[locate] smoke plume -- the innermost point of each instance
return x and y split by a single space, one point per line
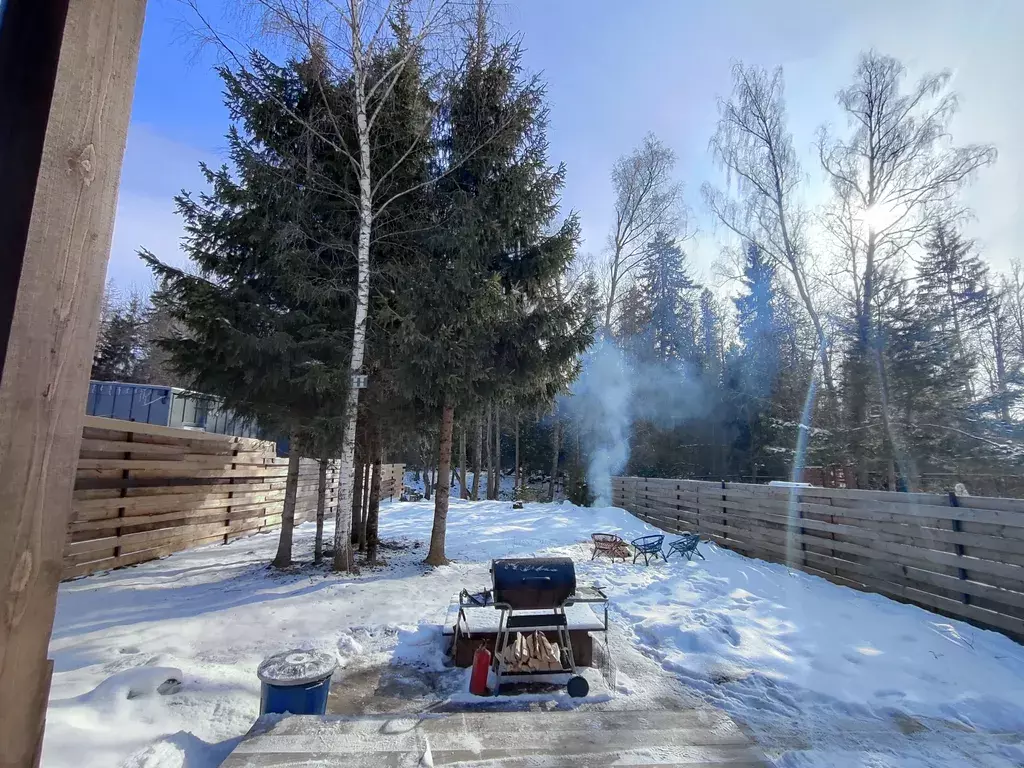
612 392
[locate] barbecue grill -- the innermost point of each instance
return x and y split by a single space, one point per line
532 595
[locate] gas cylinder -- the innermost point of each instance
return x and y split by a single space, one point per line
481 666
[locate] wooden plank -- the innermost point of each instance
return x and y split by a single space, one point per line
893 513
99 497
919 579
123 446
152 505
695 737
139 428
114 474
908 505
179 465
50 339
183 520
176 515
914 535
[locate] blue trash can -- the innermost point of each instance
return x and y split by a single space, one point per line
296 681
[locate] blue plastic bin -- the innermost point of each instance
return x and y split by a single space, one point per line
297 682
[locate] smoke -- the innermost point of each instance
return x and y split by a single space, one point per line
612 393
600 403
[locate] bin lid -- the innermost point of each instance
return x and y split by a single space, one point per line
296 667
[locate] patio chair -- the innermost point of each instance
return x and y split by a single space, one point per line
611 545
648 547
686 546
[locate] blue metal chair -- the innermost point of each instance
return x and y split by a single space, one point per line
685 546
648 546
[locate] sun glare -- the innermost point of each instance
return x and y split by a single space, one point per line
878 217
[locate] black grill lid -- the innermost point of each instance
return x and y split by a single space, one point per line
533 582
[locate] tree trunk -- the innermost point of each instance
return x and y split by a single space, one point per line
554 458
433 481
343 519
860 366
613 285
515 481
477 460
284 543
464 490
357 494
490 452
321 498
436 554
428 484
497 452
373 503
361 529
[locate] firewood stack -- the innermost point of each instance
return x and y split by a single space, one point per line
531 653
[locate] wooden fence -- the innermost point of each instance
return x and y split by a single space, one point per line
960 556
144 491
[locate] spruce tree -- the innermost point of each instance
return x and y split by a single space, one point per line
757 368
265 315
953 285
121 348
486 318
672 297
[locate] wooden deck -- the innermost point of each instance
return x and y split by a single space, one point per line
498 739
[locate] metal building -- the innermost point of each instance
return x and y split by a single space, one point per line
166 406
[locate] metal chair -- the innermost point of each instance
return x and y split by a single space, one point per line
611 545
686 546
648 546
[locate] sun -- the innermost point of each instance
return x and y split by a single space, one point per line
878 217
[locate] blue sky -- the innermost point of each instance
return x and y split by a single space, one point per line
616 70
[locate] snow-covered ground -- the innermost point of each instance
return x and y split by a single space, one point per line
818 674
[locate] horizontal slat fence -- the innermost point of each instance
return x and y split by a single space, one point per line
960 556
144 491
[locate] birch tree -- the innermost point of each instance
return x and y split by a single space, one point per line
754 146
368 46
897 175
647 201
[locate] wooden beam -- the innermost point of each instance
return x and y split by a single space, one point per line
30 36
50 341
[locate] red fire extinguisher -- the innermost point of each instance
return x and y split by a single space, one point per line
481 666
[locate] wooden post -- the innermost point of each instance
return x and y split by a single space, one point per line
51 335
959 548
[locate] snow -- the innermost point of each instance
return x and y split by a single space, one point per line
297 667
155 665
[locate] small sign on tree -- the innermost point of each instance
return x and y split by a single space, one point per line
359 380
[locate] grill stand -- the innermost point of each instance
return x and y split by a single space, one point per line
510 624
512 621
